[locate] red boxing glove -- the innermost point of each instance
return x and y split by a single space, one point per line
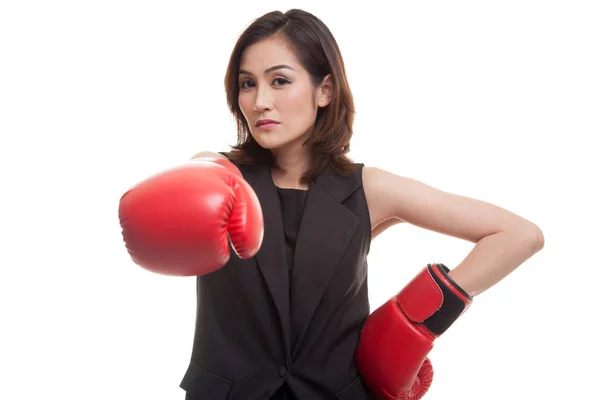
391 355
180 221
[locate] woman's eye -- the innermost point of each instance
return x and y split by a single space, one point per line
246 84
281 81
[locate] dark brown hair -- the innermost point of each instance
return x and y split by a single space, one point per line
318 52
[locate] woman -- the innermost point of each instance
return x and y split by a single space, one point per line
283 319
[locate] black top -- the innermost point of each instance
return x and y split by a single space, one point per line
292 207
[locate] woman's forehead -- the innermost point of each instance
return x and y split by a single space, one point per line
266 54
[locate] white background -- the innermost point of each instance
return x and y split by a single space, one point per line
499 101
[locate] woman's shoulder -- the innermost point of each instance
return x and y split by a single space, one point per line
379 186
383 185
371 175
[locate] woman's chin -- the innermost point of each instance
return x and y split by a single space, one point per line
273 141
267 142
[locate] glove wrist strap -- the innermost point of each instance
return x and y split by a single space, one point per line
433 299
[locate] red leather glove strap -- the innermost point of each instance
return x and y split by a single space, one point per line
421 298
434 299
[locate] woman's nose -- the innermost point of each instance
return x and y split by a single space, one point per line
263 100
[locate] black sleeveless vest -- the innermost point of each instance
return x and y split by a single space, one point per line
265 331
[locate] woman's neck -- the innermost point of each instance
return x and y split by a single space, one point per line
289 168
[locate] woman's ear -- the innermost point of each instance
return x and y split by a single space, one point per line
325 92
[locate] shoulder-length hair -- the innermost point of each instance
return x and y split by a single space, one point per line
318 52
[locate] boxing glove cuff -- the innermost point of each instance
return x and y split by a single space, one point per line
433 300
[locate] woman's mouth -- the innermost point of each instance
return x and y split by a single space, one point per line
266 124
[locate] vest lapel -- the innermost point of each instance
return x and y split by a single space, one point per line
271 256
326 229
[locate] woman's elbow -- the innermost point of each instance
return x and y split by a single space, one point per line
536 238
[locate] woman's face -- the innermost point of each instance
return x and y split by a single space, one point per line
277 96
